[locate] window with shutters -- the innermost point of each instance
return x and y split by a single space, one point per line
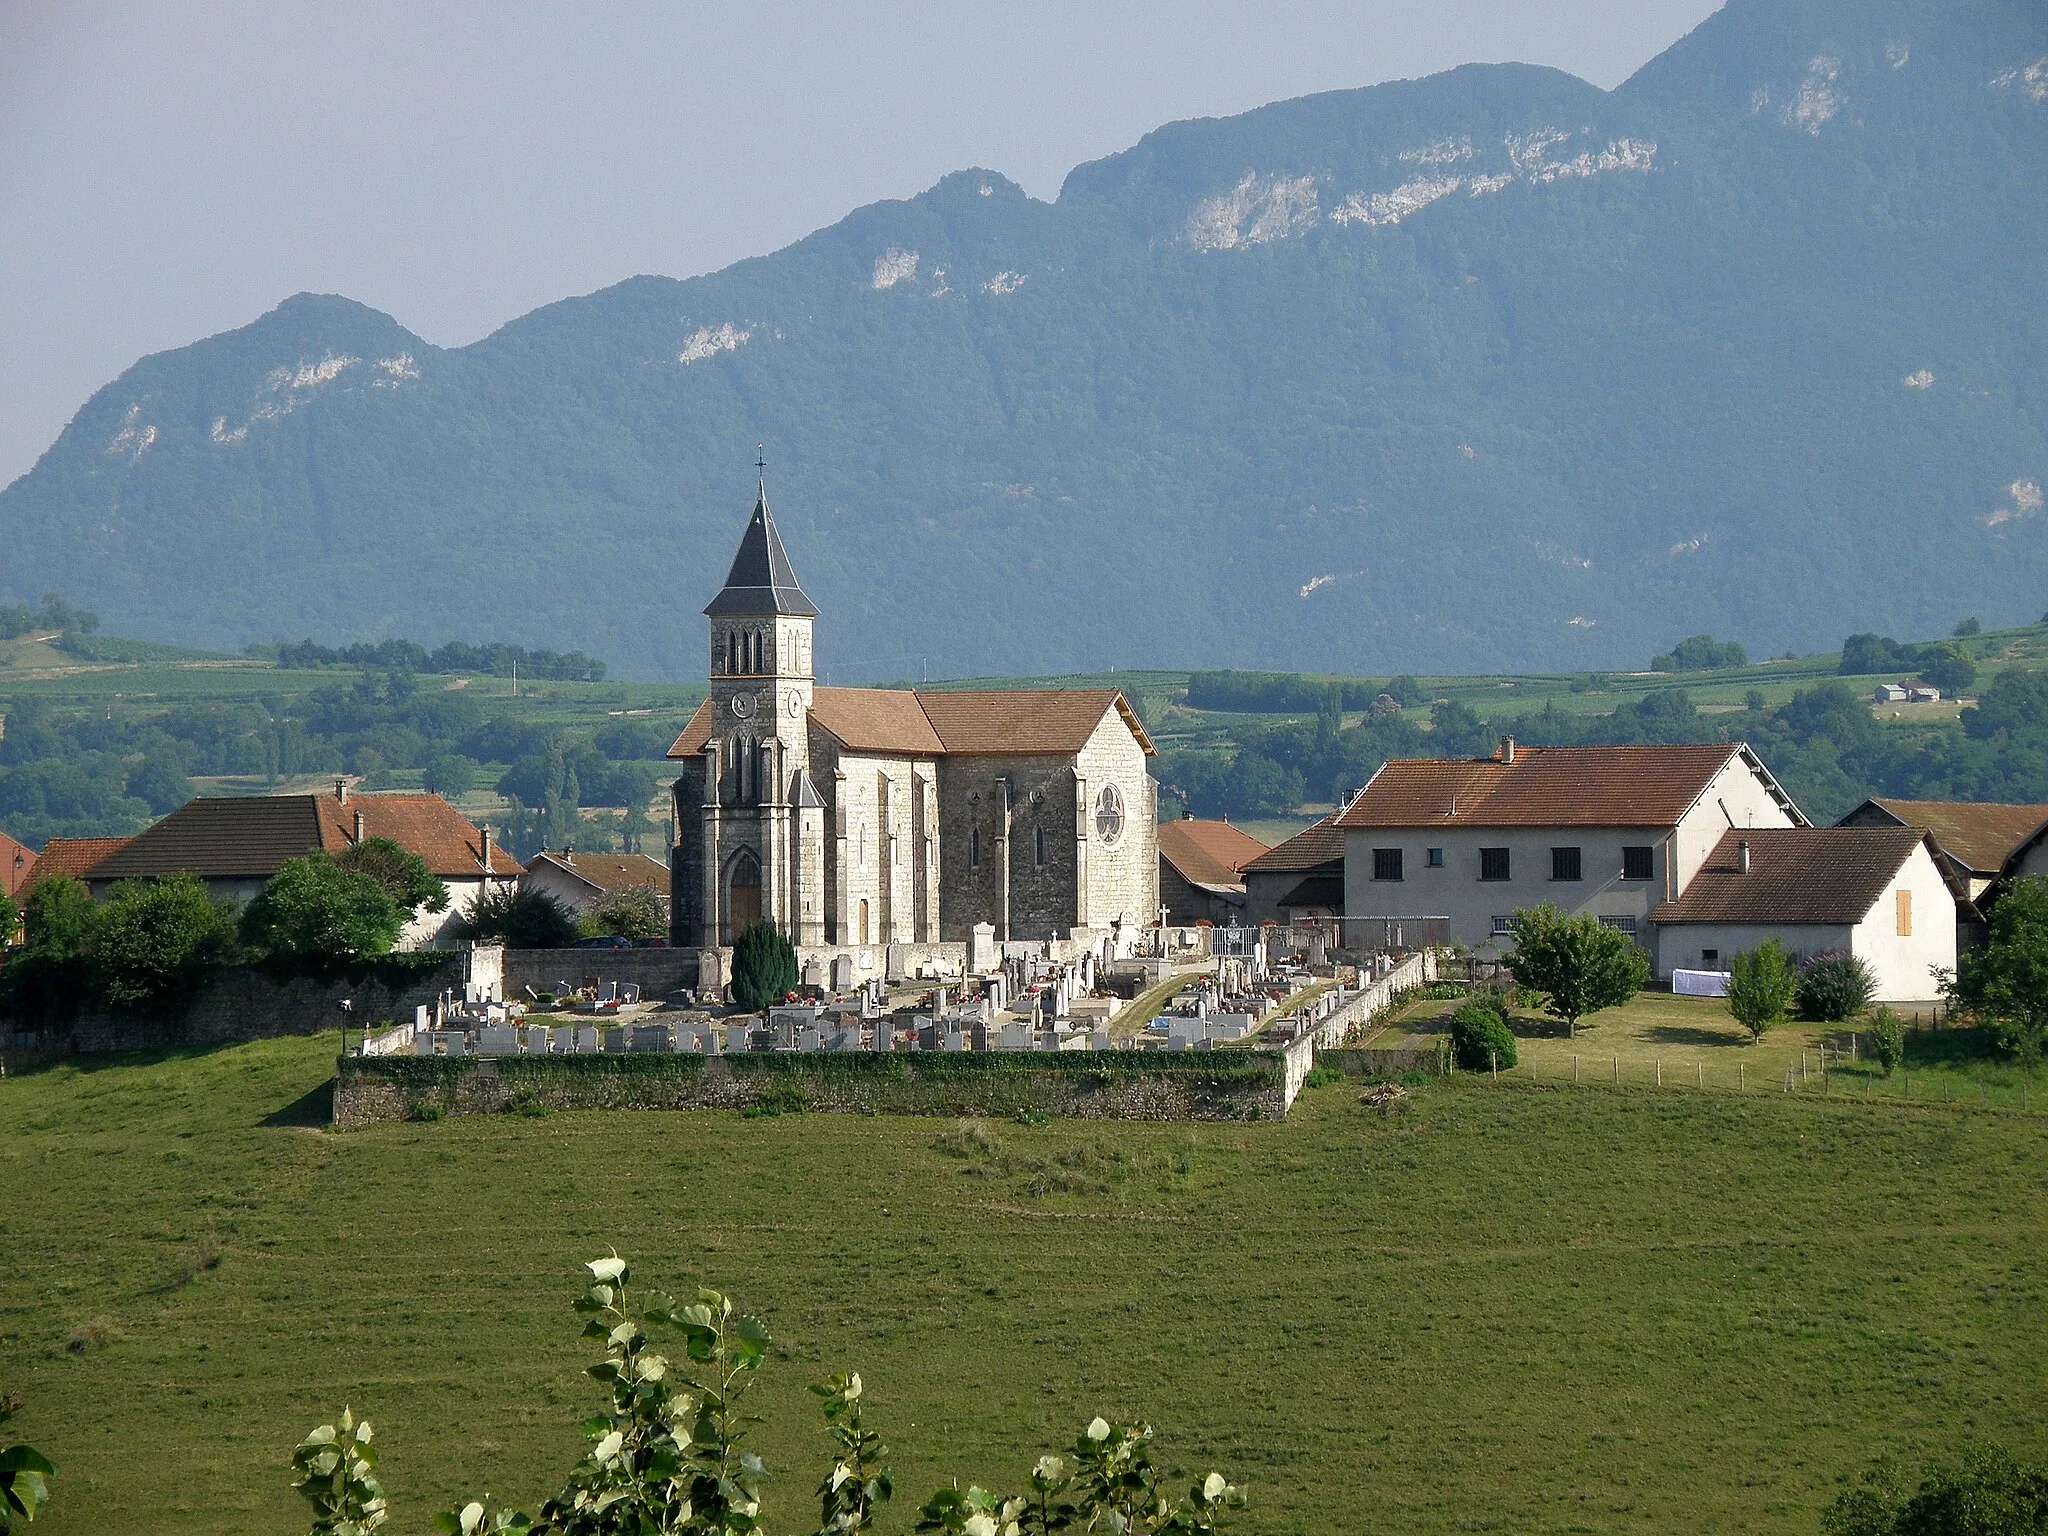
1905 913
1565 864
1493 864
1636 863
1386 863
1433 857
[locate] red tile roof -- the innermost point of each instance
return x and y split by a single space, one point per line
877 720
608 871
1797 875
1547 787
1980 837
17 861
71 857
1310 848
251 837
1007 722
1208 852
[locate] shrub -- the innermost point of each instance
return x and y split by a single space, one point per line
1322 1077
1833 988
1990 1493
2006 979
668 1453
764 969
519 918
1479 1038
631 912
315 909
152 941
1761 987
1887 1034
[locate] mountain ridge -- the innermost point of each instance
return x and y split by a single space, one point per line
1483 369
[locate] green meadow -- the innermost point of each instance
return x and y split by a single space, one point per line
1504 1305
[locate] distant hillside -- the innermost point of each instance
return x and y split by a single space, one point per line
1488 371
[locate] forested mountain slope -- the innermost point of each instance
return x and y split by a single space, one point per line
1489 370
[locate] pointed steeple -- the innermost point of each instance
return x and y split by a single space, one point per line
761 579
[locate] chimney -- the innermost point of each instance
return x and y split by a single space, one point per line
341 790
1742 857
487 847
359 826
1507 750
569 853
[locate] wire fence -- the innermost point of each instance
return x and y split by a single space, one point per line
1827 1071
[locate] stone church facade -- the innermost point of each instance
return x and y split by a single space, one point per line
859 817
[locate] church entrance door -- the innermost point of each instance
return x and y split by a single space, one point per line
743 898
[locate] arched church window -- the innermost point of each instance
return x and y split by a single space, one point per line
1038 846
974 847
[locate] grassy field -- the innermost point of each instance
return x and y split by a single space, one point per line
1691 1042
1508 1306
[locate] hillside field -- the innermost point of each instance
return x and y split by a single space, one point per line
1510 1306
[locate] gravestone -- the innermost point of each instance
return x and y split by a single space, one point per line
842 973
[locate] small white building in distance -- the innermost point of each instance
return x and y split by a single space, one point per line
1879 893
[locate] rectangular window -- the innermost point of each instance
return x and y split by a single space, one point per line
1434 858
1625 925
1493 864
1565 864
1503 927
1038 846
1386 863
1710 957
1905 913
974 847
1635 863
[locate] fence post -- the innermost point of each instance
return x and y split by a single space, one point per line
1494 1058
1617 1071
1738 1076
1660 1071
1575 1069
1701 1069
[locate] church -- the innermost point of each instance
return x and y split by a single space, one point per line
858 817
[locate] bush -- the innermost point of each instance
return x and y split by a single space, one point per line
519 918
631 912
153 941
1887 1033
1990 1493
764 969
1761 987
1833 988
314 908
1479 1037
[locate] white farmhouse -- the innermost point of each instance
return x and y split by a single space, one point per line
1614 831
1879 893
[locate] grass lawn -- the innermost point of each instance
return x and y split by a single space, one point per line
1696 1044
1508 1306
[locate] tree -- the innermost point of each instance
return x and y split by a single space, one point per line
2005 981
1701 653
159 784
1833 988
1761 987
450 775
764 969
519 918
1949 668
1578 965
1989 1492
400 873
1968 628
1887 1040
314 908
631 912
152 941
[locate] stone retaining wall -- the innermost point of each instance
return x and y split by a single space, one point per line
656 972
252 1005
1120 1085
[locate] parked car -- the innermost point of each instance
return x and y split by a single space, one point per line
605 941
650 943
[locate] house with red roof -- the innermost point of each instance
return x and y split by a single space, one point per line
1201 870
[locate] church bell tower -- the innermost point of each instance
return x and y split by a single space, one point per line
759 799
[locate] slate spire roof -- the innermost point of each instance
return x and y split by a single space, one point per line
761 579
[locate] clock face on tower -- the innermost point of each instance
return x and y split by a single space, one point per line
794 703
741 706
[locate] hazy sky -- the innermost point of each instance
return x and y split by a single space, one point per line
168 171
